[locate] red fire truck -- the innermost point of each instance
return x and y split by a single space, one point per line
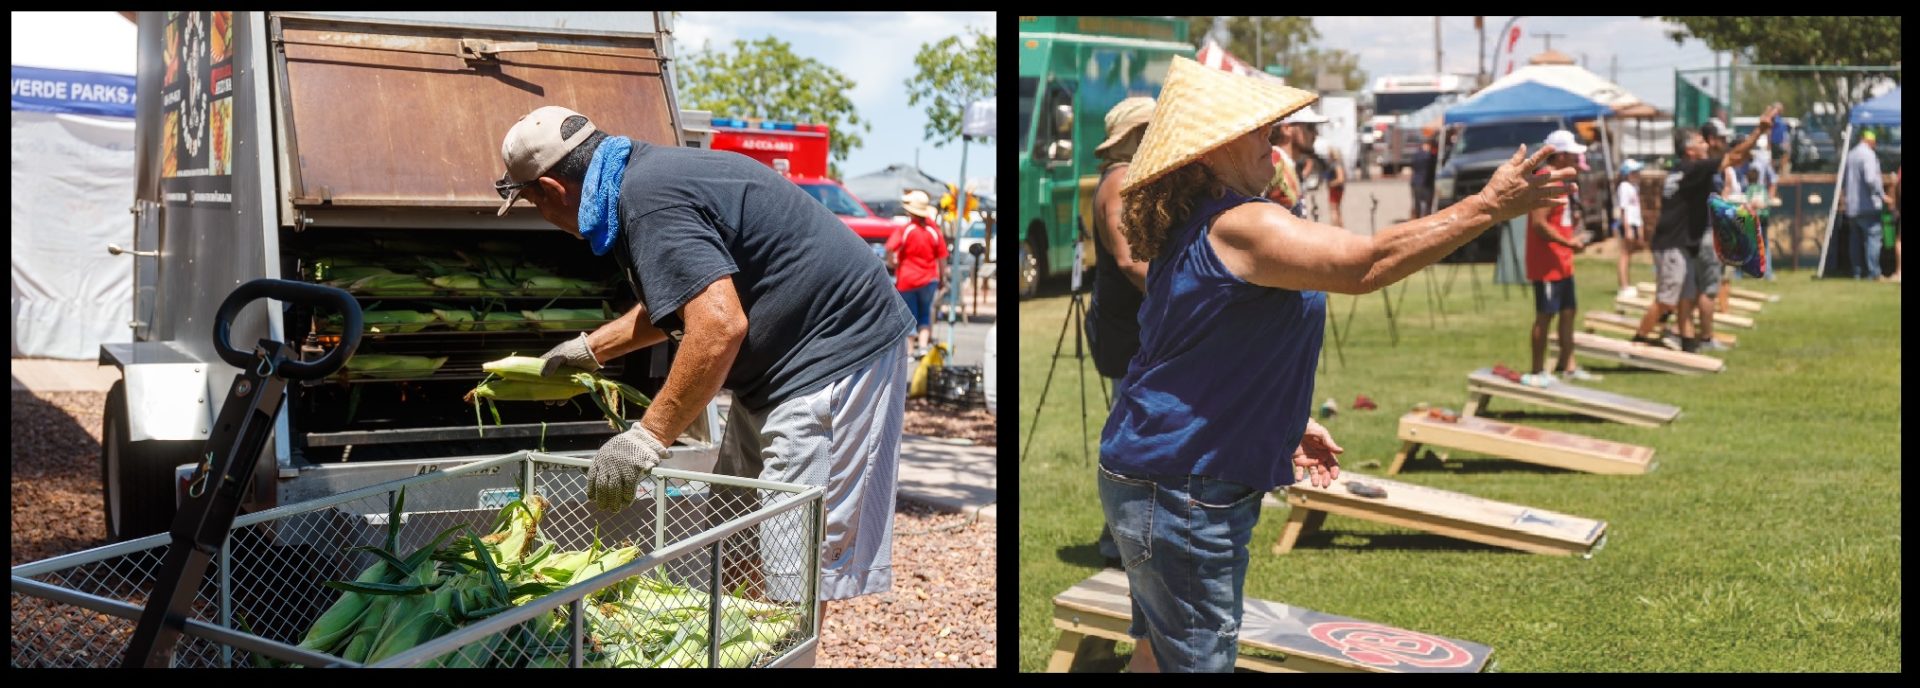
800 152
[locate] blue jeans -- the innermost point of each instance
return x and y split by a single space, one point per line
1863 245
920 302
1183 540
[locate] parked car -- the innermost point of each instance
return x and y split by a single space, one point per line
871 228
1483 147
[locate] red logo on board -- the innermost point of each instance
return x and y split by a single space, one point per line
1386 646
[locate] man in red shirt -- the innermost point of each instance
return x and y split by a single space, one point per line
1550 247
918 253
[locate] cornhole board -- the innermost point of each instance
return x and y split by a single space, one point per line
1520 443
1658 358
1752 295
1609 322
1095 613
1640 305
1735 301
1441 512
1483 385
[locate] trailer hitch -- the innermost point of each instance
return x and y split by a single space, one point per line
240 434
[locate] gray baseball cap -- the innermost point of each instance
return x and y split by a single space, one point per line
533 146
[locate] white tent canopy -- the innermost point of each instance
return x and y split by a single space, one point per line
1572 78
73 179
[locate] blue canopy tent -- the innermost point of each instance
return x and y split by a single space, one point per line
1531 98
1881 111
1528 99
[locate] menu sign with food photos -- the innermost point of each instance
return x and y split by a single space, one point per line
197 103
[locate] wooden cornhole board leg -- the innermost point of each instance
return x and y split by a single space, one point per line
1407 449
1300 522
1078 648
1099 609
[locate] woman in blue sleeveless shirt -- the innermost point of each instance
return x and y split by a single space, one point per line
1217 399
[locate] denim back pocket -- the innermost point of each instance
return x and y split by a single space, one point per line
1129 506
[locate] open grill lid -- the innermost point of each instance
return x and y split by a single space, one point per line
388 113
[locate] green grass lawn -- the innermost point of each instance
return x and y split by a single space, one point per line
1768 539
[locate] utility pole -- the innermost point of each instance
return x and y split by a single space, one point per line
1437 66
1480 23
1259 52
1548 37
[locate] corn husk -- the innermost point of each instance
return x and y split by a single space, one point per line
390 283
500 321
385 366
462 321
545 284
566 318
346 275
397 321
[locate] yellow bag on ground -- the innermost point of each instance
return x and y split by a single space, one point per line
936 357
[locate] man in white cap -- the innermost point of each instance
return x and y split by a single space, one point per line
1303 134
768 295
1628 226
1550 247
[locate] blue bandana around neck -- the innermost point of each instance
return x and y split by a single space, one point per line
600 194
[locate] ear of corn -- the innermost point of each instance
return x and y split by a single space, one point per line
386 366
389 283
459 320
500 322
397 321
339 619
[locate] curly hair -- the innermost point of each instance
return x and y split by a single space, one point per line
1154 209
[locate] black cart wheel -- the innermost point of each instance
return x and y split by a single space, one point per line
136 480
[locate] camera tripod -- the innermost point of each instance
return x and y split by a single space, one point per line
1075 321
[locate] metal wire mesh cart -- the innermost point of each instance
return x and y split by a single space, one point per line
723 573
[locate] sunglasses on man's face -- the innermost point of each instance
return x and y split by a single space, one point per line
504 187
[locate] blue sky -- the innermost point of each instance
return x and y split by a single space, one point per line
1404 45
876 51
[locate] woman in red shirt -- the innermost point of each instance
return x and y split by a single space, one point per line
917 253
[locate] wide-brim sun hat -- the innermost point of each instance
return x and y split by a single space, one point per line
1201 109
1305 115
917 202
1125 117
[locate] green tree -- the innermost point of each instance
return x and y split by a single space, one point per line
954 71
764 79
1284 41
1311 62
1803 40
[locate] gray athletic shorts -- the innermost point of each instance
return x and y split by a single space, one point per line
844 437
1705 270
1683 274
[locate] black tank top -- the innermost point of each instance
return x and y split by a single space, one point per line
1113 321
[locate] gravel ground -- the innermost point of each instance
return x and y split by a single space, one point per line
940 613
56 475
939 420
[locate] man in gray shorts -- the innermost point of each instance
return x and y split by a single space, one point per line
1685 269
764 292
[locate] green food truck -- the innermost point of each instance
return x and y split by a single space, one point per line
1072 70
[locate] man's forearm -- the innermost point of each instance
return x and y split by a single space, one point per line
699 368
1402 249
629 333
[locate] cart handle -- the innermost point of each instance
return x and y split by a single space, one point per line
301 292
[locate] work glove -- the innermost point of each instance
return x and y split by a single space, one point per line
574 353
619 465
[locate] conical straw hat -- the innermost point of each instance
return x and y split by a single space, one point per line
1200 109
